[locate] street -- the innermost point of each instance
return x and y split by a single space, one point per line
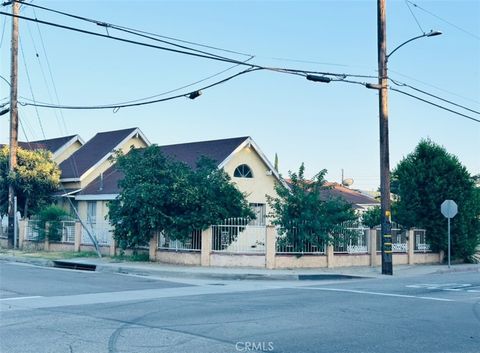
57 310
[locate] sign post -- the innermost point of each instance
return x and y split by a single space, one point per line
449 209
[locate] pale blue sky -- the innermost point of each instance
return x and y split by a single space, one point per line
330 126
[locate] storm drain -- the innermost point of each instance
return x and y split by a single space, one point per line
74 265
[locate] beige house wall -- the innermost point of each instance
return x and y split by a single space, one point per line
263 181
67 152
237 260
179 257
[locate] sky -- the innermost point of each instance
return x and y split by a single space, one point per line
330 126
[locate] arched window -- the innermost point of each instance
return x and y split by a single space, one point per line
243 171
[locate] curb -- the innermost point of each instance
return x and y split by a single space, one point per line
182 274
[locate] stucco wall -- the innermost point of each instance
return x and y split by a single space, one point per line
261 184
345 260
179 257
305 261
398 258
426 258
237 260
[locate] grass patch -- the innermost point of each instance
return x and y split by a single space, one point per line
139 257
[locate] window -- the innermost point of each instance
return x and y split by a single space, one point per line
260 212
243 171
92 212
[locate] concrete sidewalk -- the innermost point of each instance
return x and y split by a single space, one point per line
240 273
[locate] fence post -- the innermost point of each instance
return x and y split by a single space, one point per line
46 244
78 237
411 246
206 247
21 232
152 248
372 238
270 247
330 256
113 247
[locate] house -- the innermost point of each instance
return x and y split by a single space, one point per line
241 158
60 147
91 161
359 201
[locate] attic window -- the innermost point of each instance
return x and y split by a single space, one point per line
243 171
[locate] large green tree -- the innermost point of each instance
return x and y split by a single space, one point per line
160 194
303 217
35 178
422 181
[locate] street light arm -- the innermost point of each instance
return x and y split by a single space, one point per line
432 33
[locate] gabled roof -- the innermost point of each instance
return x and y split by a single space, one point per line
98 149
351 196
52 145
217 150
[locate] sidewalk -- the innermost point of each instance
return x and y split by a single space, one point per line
240 273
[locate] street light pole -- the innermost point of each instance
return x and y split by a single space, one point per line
386 226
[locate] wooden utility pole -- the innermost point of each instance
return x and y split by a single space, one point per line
13 120
386 225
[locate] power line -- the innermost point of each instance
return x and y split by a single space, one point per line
414 17
116 107
434 96
446 21
434 104
133 31
436 87
62 118
206 56
31 89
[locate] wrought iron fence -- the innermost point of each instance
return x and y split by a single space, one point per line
399 238
236 235
102 231
352 238
289 243
61 231
194 242
420 241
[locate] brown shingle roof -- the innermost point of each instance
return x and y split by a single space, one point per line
92 152
188 153
51 145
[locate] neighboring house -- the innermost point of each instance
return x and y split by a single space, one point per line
60 147
358 200
89 163
241 158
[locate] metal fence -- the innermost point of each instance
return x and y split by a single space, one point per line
194 242
102 231
399 238
351 239
34 231
420 241
236 235
287 244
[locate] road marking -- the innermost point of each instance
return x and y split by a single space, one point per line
377 293
19 298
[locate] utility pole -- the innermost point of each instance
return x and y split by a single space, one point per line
386 226
13 120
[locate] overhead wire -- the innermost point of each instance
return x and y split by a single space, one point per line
445 21
434 104
31 88
118 106
54 86
414 17
434 96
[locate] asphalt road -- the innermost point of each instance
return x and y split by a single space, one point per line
53 310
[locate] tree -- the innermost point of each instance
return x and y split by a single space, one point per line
302 217
35 178
160 194
422 181
51 215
